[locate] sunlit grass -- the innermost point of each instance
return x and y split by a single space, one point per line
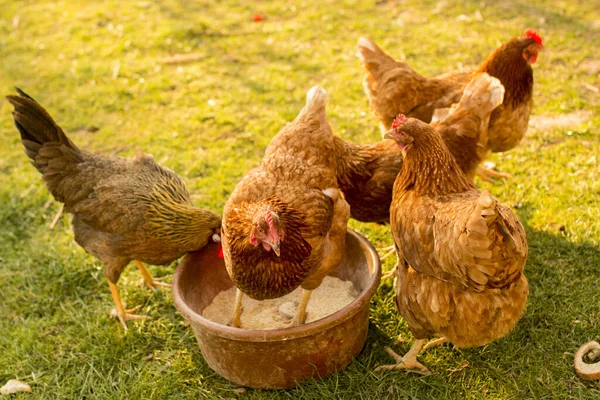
102 64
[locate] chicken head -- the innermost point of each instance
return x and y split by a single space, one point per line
533 46
267 231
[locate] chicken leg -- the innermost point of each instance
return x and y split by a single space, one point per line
334 251
300 317
408 362
236 320
120 312
149 281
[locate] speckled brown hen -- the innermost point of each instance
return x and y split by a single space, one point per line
123 209
284 225
461 253
393 88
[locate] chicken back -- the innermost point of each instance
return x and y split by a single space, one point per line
393 87
285 222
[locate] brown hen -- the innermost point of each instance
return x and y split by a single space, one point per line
366 173
284 225
461 253
123 209
393 88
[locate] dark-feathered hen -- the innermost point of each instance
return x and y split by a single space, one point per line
123 209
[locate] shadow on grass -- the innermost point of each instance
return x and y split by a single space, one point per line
563 312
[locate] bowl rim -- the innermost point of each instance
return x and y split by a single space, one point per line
272 335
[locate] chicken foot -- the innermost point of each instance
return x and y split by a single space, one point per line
408 362
487 172
388 252
435 343
236 320
389 274
149 281
120 312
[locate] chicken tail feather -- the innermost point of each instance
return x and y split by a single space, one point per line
371 55
35 125
49 149
484 93
316 98
368 50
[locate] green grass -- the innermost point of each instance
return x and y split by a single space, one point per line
99 63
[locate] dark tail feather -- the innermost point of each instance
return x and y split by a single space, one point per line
35 125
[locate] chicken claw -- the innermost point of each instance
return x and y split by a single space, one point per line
149 281
389 274
126 315
389 251
408 362
435 343
119 311
487 172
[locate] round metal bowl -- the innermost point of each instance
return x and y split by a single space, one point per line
278 358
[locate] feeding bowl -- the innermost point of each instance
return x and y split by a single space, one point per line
278 358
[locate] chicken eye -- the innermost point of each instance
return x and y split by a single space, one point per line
260 229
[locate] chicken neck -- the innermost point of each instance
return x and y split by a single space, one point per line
184 225
430 169
507 64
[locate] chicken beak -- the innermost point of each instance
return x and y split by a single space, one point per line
276 249
401 138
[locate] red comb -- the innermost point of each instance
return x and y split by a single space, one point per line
400 119
221 255
531 34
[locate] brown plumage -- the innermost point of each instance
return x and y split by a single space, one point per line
366 173
123 209
285 222
393 88
464 127
461 253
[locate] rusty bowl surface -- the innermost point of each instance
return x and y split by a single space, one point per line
278 358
